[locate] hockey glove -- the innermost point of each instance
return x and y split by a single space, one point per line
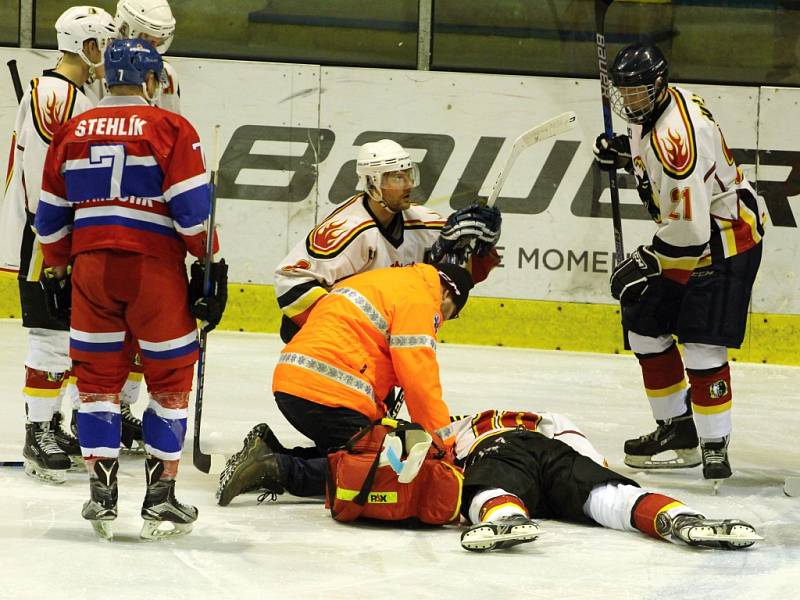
211 307
471 230
58 295
631 277
648 197
612 154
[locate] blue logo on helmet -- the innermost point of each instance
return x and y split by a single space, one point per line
127 62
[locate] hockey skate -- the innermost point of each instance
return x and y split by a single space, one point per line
132 438
44 459
101 508
160 506
716 466
66 441
696 530
255 466
673 445
502 533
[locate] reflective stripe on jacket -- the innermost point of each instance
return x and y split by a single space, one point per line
374 331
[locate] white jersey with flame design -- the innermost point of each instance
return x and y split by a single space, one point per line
50 101
706 205
350 241
471 430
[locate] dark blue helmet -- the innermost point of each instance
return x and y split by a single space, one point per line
639 74
127 62
639 64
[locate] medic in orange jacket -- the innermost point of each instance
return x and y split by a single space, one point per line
374 331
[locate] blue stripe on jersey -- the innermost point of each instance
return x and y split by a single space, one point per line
137 180
50 219
142 181
95 346
87 184
191 207
173 353
166 435
126 222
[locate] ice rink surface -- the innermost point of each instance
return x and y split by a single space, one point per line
293 549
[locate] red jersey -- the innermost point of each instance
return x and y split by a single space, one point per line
124 176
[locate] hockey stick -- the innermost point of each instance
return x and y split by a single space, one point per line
207 463
600 9
15 80
552 127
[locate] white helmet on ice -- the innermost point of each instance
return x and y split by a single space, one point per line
151 18
378 158
81 23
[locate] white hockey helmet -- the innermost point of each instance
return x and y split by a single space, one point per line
81 23
150 18
375 159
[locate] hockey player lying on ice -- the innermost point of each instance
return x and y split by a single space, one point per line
519 465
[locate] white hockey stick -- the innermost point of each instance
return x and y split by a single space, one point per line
552 127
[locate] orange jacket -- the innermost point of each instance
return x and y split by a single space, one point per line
373 331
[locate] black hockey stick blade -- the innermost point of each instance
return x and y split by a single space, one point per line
15 80
201 460
207 463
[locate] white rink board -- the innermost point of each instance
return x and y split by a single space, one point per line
345 103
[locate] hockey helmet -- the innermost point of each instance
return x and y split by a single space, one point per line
128 62
638 75
81 23
385 164
151 19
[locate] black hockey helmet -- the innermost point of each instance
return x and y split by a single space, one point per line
639 73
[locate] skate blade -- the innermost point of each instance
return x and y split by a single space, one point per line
51 476
103 529
485 538
669 459
740 536
152 530
76 464
137 449
716 484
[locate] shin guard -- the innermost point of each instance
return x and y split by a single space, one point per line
164 428
99 426
712 401
664 383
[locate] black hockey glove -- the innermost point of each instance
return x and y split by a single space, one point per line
648 198
58 296
471 230
631 277
211 307
614 153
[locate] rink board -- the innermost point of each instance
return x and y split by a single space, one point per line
287 161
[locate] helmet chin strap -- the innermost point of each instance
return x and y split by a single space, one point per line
379 199
92 66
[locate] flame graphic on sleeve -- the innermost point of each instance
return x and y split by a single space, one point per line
53 114
327 234
677 153
300 265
